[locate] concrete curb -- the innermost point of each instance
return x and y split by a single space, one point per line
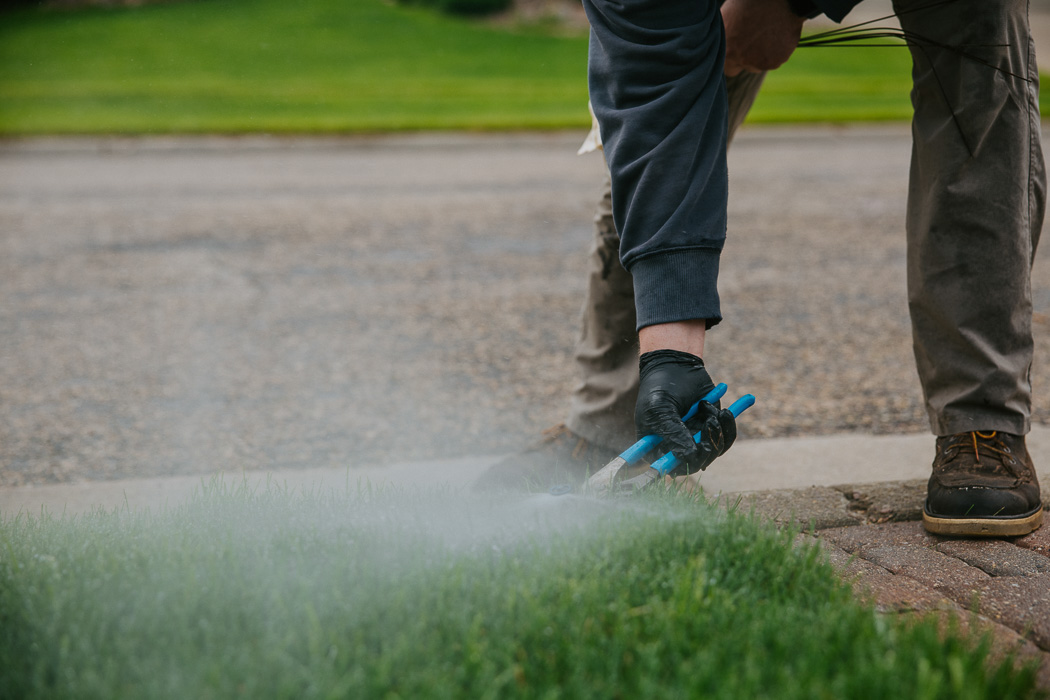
818 482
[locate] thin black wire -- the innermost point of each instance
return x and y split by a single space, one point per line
895 15
854 36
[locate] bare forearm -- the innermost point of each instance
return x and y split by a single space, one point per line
686 336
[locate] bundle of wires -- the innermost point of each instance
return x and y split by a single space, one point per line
866 35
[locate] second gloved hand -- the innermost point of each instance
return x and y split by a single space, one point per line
671 382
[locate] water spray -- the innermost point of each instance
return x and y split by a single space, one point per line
608 478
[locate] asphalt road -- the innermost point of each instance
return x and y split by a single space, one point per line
189 305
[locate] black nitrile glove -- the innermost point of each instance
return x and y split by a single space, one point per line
718 427
671 382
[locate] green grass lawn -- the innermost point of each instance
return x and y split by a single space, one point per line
271 65
387 594
350 66
841 84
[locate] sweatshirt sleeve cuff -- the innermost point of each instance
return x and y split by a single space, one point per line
680 285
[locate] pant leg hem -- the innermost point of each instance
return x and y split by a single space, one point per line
965 424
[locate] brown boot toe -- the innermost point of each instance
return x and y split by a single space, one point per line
984 485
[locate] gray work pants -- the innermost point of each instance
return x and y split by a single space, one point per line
975 209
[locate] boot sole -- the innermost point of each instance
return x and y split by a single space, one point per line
982 527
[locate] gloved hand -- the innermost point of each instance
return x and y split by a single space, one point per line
671 382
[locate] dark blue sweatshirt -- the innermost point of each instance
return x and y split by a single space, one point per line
655 74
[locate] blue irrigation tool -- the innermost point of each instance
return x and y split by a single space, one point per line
665 464
604 477
668 462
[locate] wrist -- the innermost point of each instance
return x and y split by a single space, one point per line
651 359
684 336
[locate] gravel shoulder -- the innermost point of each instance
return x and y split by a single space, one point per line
182 306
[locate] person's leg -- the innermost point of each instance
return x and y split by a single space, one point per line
741 91
975 209
606 355
602 408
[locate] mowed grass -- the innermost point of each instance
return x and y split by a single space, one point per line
385 594
275 66
232 66
838 84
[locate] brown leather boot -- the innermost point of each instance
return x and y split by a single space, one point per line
560 458
983 485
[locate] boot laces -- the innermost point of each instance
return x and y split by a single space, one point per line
992 444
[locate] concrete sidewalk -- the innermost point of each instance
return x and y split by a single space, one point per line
820 480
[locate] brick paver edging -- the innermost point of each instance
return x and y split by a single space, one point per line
872 536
